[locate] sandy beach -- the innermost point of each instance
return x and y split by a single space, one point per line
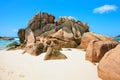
17 66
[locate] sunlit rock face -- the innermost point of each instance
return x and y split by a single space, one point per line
109 66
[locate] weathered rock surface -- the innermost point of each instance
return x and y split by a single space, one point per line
35 49
89 36
48 18
21 35
97 49
52 54
109 66
42 29
29 36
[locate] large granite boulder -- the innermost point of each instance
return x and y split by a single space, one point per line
97 49
89 36
29 36
109 66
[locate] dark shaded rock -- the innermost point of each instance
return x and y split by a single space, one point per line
97 49
45 28
48 27
6 38
39 21
12 46
21 35
36 17
51 19
109 66
48 17
86 27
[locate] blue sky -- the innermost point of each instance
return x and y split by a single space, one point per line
103 16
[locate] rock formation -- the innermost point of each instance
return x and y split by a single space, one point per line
21 34
89 36
54 54
6 38
109 66
13 45
96 49
42 32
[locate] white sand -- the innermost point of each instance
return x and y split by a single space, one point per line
17 66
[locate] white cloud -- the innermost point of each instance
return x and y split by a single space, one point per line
105 8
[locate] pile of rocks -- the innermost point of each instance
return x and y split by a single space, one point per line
105 51
43 32
96 45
